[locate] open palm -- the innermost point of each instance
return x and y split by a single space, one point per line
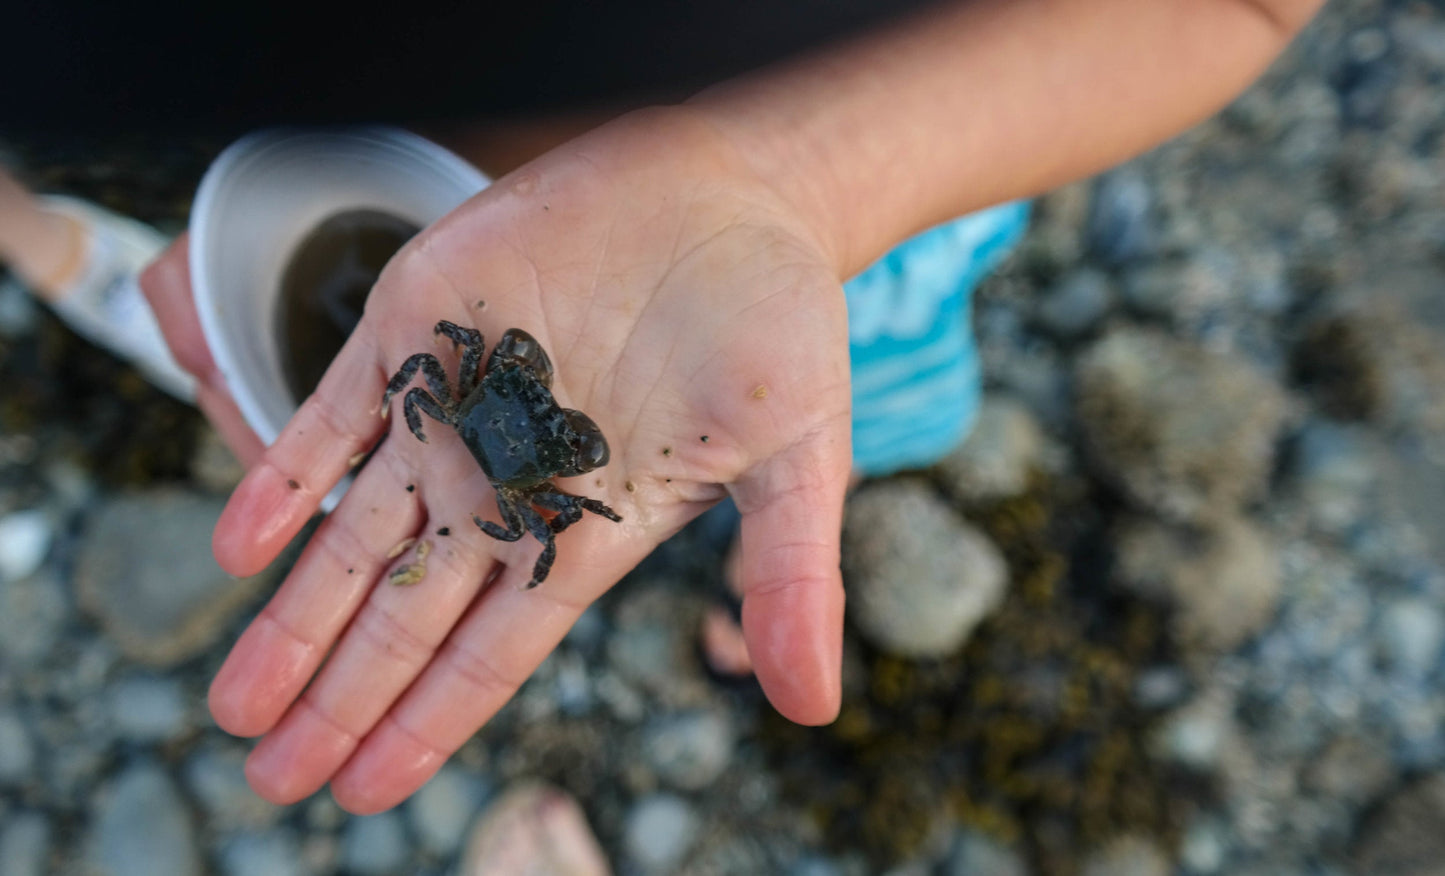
691 315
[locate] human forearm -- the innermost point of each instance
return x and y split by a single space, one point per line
975 103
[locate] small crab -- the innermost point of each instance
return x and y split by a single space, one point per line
514 428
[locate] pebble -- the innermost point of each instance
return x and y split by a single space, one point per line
1077 304
140 827
690 751
1410 631
25 538
270 853
216 777
1128 855
17 750
1121 223
213 465
919 579
145 571
1000 454
1181 431
653 647
659 832
25 840
534 829
445 807
374 845
977 854
33 615
1331 470
1196 734
148 708
1221 580
1407 835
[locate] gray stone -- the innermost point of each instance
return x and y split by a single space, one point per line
1407 836
146 572
216 776
653 647
25 841
689 751
975 854
660 830
1000 454
1221 580
1121 223
1351 768
1332 473
25 538
1181 431
213 465
33 613
919 578
17 750
148 709
140 827
445 807
1183 291
271 853
373 845
1409 632
1076 304
1198 734
1128 855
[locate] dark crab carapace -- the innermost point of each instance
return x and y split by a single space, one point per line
519 435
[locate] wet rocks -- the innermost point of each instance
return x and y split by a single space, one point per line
1181 431
145 571
443 810
919 579
33 613
148 708
536 829
373 845
690 750
25 538
25 840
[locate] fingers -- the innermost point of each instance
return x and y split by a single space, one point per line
280 493
166 283
792 508
504 637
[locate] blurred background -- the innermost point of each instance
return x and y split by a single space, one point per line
1199 531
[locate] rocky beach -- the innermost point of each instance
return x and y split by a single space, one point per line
1177 607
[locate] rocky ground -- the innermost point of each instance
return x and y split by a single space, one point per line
1177 607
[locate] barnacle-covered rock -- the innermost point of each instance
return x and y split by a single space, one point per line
1181 431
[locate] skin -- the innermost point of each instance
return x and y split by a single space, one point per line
672 260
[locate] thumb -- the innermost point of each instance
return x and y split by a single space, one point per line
792 517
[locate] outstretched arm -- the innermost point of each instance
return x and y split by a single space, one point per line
675 261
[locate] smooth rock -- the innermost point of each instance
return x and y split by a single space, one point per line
216 776
653 647
534 829
1121 221
271 853
33 614
1332 472
976 854
1077 304
140 827
1221 580
1197 734
660 830
1406 837
445 807
1409 632
1179 430
919 578
145 571
148 708
25 538
17 750
1128 855
25 840
375 845
1002 451
690 751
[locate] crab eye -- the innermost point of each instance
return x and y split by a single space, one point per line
591 447
523 349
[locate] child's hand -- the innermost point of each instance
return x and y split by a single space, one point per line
692 316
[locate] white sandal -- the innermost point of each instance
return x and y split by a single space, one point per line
105 304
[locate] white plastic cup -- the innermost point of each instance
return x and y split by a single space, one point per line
260 198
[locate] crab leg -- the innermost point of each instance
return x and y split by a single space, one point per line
416 403
470 340
436 378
